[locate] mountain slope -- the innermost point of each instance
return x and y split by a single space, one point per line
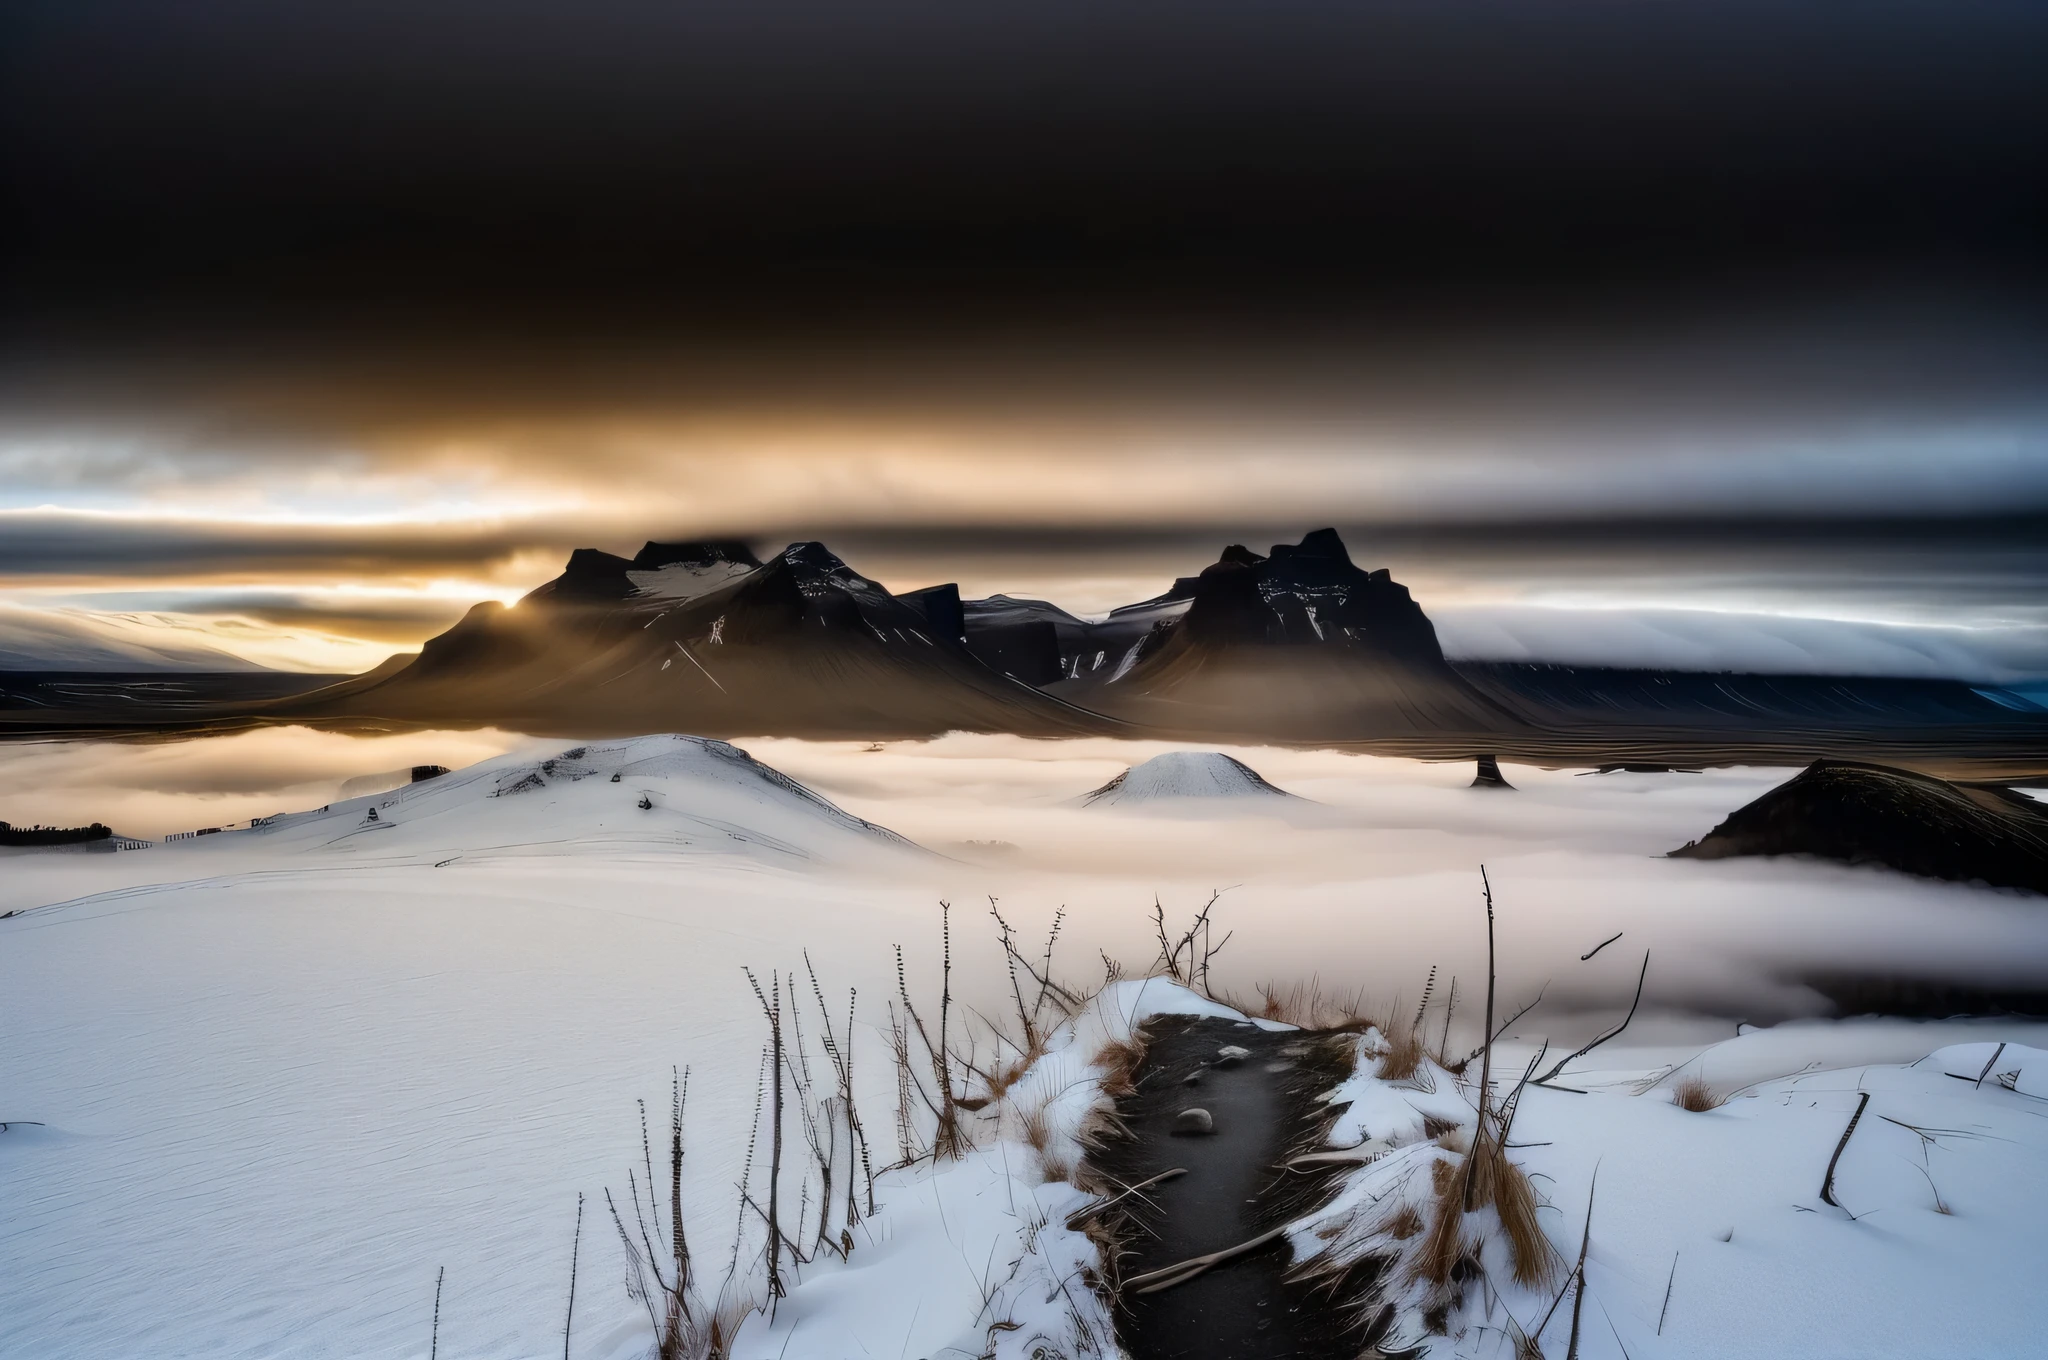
1299 644
664 793
1873 814
705 638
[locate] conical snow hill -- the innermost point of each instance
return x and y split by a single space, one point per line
1180 777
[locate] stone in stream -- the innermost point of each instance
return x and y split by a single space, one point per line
1194 1121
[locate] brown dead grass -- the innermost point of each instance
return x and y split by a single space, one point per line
1306 1005
1403 1056
1001 1079
1694 1094
1445 1244
1037 1132
1514 1199
1404 1224
1497 1181
1116 1066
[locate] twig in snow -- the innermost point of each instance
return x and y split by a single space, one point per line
1602 945
1075 1219
1486 1057
434 1342
1827 1185
1514 1100
1669 1280
1443 1048
1427 987
575 1250
773 1010
1182 1271
1940 1205
1571 1350
1989 1063
1508 1023
1545 1079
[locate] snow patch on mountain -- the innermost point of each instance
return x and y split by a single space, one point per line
677 582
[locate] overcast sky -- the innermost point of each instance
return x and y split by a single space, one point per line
330 320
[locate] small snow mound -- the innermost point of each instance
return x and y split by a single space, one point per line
2016 1067
1183 774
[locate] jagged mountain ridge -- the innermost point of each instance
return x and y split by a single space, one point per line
1298 643
705 637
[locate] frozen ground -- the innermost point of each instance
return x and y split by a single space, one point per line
283 1076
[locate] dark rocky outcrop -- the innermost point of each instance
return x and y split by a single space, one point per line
52 835
1035 641
1489 775
1875 814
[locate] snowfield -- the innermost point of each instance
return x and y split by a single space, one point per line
280 1077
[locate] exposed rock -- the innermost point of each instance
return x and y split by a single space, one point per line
1874 814
1489 776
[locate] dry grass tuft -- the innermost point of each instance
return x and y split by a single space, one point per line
1445 1245
1109 1236
1694 1094
1306 1005
1403 1056
1514 1199
1037 1132
1497 1181
1100 1127
1117 1063
1001 1079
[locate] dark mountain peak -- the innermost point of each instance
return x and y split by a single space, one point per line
591 574
702 553
813 560
1307 592
1323 544
594 576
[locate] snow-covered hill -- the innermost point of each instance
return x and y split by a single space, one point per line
664 793
1179 777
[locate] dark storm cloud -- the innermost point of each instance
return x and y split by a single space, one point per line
786 168
1922 560
63 544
